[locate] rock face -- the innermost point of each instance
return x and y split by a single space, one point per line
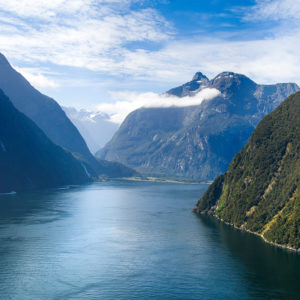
29 159
198 141
260 192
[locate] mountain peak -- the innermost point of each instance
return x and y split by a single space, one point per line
227 81
198 76
227 74
231 75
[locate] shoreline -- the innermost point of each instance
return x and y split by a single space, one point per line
286 247
166 180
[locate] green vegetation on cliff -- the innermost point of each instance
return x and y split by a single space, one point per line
260 192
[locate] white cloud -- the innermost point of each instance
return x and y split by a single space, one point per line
37 78
78 33
266 61
275 10
94 34
45 9
127 102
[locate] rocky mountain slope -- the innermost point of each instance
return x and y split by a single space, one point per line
29 159
198 141
261 190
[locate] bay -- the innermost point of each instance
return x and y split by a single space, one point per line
133 240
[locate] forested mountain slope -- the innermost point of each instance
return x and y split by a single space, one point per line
260 192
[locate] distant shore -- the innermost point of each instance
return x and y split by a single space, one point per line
167 180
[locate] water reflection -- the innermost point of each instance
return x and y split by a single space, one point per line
273 273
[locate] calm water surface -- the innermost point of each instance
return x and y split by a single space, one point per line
133 240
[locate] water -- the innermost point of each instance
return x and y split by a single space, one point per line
130 240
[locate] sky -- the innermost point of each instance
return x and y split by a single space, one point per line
98 54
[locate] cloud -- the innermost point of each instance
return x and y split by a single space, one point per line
127 102
107 36
92 34
274 10
37 78
47 10
266 61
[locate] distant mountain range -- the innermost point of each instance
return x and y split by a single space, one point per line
95 127
260 192
197 141
29 159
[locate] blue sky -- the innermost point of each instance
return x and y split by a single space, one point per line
96 53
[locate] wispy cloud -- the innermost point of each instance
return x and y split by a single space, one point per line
127 102
266 61
275 10
78 33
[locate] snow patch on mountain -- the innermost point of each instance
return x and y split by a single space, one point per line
95 127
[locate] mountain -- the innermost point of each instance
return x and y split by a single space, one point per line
48 116
44 111
197 141
95 127
260 192
29 159
113 169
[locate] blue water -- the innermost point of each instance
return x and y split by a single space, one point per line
133 240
